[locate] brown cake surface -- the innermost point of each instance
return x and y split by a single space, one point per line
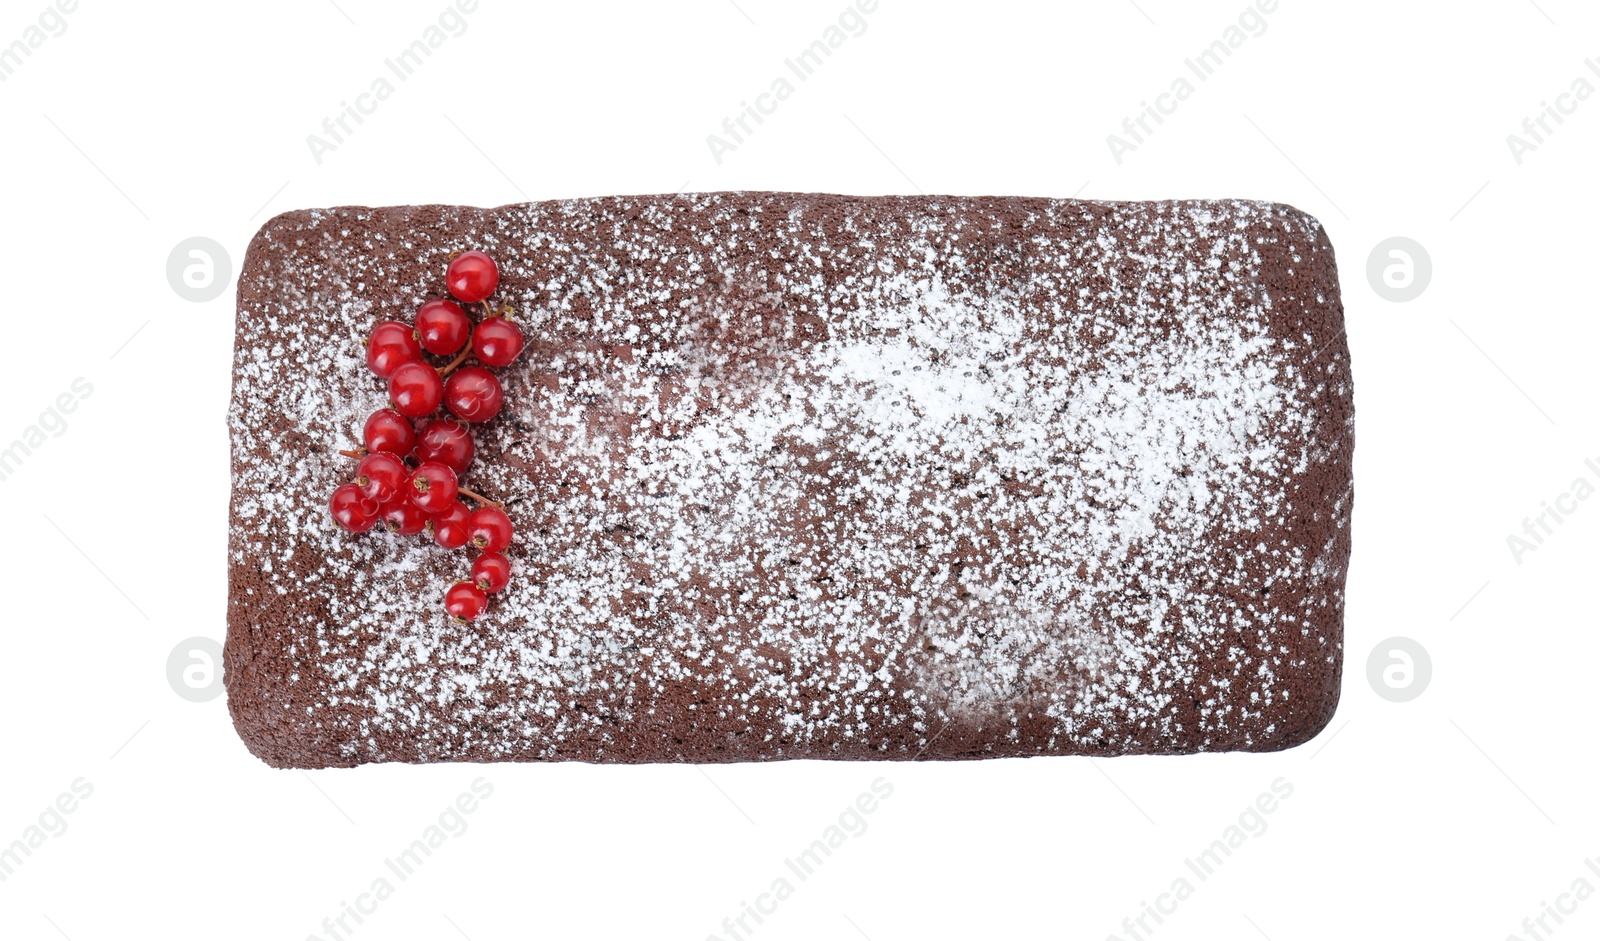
810 476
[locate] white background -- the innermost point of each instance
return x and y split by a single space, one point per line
1454 815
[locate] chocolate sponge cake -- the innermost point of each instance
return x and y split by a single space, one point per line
810 476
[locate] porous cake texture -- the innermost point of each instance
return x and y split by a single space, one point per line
811 476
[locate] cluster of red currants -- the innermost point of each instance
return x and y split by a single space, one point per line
409 478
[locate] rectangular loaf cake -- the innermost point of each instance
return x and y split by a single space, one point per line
810 476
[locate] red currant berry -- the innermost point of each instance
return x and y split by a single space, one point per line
443 327
472 276
465 601
433 487
404 517
416 390
388 430
448 442
490 529
450 527
496 342
392 345
474 394
491 572
352 509
380 475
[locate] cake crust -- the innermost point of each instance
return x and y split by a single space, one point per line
811 476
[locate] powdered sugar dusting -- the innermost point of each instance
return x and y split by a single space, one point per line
794 491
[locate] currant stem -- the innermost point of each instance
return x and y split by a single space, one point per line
481 499
358 453
460 358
